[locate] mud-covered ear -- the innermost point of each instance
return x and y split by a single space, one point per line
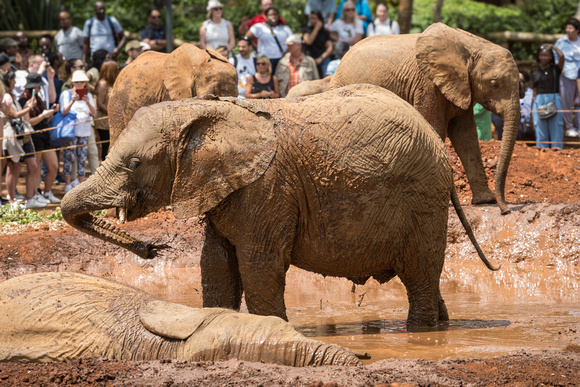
173 321
224 147
179 71
443 55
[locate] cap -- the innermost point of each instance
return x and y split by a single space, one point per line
214 4
294 38
133 44
33 80
7 42
4 59
80 76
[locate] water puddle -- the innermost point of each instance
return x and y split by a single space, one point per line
530 304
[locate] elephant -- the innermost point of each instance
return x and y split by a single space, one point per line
155 77
48 317
441 72
349 183
309 87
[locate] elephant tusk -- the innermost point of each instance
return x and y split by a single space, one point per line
122 214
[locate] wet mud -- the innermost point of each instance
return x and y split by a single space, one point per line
517 326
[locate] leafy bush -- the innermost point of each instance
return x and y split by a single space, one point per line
9 215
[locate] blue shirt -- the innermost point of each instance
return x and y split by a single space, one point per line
151 33
101 34
325 6
571 51
362 9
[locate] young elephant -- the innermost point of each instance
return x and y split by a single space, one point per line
61 316
349 183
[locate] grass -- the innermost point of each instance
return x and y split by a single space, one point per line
12 216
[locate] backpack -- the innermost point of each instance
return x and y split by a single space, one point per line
236 62
373 24
108 19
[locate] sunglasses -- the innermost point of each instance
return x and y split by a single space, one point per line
218 8
155 17
261 64
349 9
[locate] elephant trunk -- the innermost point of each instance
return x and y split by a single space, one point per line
510 132
77 207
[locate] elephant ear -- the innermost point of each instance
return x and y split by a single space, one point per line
173 321
224 147
443 56
179 70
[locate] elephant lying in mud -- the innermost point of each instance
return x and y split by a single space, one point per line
61 316
309 87
350 183
441 72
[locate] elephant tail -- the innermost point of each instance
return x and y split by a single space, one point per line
469 230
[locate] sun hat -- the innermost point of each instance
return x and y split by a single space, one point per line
7 42
294 38
214 4
80 76
33 80
133 44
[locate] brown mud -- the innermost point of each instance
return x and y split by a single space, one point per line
518 326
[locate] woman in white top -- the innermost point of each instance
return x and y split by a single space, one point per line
271 36
216 31
349 28
84 108
383 25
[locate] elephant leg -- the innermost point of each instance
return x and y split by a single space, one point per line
463 136
264 279
220 276
420 271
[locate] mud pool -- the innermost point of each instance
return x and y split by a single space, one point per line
530 304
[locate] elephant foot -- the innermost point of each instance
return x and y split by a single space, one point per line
483 198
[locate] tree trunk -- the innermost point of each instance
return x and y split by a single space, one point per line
405 15
437 11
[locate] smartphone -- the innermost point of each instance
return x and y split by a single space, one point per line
33 93
82 92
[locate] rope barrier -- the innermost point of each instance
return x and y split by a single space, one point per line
55 149
54 127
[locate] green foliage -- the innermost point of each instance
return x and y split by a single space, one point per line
9 215
18 14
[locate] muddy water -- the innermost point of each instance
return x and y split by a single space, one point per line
531 303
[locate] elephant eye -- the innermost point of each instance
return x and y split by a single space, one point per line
133 163
494 84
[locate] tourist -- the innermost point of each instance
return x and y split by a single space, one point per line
261 18
39 118
348 28
107 77
271 36
19 148
570 47
84 107
102 32
23 50
216 31
263 84
69 39
244 63
327 9
383 25
318 42
362 9
295 67
154 33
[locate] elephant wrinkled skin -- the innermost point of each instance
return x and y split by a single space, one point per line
333 183
63 316
441 72
155 77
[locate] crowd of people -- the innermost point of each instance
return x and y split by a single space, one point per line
72 73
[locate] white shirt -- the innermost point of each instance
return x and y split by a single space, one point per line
266 43
387 28
216 34
245 69
345 31
81 109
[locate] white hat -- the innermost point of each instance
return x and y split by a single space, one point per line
80 76
214 4
294 38
145 46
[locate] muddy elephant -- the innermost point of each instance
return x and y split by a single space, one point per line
333 183
155 77
62 316
441 72
309 87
